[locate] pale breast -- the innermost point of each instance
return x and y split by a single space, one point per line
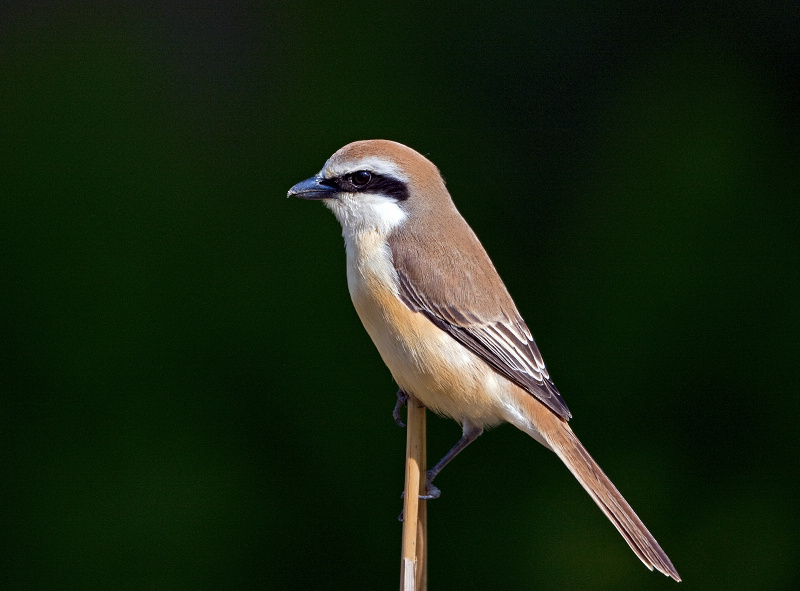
424 360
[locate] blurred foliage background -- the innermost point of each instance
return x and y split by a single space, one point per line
187 398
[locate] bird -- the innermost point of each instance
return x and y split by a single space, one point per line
443 321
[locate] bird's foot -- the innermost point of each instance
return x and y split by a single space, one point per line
431 492
402 400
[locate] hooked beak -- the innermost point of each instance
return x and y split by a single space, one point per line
313 188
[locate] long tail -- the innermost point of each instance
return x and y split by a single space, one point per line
557 433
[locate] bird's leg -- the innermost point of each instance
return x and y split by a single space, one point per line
470 434
402 400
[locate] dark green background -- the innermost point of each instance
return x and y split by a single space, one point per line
188 398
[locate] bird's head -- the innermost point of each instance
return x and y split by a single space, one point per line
375 185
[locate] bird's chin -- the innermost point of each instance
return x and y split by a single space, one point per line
338 208
345 211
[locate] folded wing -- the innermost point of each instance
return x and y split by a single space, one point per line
474 307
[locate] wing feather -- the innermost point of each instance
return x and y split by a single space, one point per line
490 327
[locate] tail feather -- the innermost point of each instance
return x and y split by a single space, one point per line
566 445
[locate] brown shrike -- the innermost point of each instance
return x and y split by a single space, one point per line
442 319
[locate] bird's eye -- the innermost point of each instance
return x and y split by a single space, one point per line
361 178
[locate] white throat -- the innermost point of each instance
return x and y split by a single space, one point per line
366 212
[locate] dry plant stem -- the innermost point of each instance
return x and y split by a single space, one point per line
422 510
412 564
